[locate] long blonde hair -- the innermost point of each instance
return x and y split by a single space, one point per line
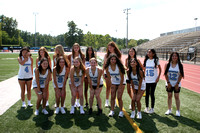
61 53
46 55
82 66
80 52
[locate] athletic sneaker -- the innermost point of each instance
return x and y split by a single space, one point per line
55 105
36 112
23 105
107 103
133 114
178 113
146 110
86 105
139 115
81 110
111 113
130 107
151 111
57 110
62 110
47 103
169 111
72 110
121 114
30 104
44 111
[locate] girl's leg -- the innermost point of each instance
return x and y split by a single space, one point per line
29 83
58 95
176 95
97 93
22 86
39 98
169 100
73 93
133 100
80 93
147 95
153 88
108 87
91 97
44 98
120 92
86 90
63 95
138 98
129 90
113 96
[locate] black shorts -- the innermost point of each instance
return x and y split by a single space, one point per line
105 75
25 79
173 89
94 87
128 81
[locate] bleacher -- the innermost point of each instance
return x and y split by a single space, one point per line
176 42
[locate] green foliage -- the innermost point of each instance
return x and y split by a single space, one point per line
140 41
132 43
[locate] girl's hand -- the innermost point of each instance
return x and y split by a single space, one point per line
169 86
157 80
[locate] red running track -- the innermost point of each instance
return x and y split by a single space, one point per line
191 80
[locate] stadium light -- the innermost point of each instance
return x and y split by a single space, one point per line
195 23
126 11
35 13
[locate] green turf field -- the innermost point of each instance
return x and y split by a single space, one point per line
17 119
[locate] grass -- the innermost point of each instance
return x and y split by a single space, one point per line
17 119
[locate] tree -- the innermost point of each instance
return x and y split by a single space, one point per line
132 43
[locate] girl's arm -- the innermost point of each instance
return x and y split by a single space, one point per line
37 78
49 60
126 64
83 59
167 78
82 79
159 68
72 77
122 78
54 77
88 77
31 65
140 81
22 62
99 76
66 77
36 65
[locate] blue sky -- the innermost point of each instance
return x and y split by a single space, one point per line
147 18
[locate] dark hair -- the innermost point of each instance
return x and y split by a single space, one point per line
87 55
155 57
40 66
24 48
117 51
179 64
129 57
118 62
138 69
58 68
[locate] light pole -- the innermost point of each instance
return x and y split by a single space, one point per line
195 23
35 13
126 11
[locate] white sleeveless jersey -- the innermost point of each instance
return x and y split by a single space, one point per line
38 63
72 59
136 82
151 72
55 60
25 71
94 77
42 79
115 76
87 64
173 75
60 78
77 79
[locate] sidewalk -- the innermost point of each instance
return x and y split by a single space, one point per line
10 93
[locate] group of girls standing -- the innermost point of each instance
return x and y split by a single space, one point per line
80 69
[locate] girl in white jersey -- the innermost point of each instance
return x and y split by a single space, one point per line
131 55
115 72
42 53
173 75
60 75
89 54
40 84
76 52
136 78
151 63
25 74
77 75
96 83
111 49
